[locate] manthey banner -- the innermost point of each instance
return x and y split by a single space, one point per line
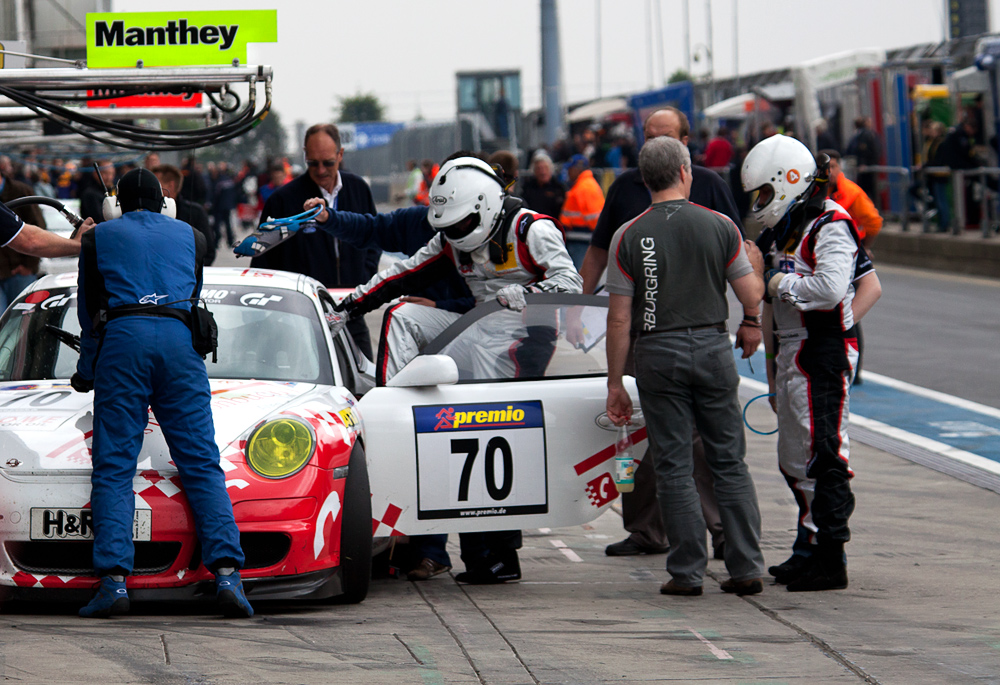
176 39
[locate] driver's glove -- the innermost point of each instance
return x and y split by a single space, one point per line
512 296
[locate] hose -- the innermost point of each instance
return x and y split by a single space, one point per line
747 406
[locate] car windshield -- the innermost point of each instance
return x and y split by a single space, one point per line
264 334
491 343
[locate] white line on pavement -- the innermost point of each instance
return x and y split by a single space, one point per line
933 395
566 551
928 444
719 653
544 531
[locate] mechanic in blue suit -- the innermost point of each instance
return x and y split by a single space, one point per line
407 230
139 274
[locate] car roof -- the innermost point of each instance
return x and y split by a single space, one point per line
215 276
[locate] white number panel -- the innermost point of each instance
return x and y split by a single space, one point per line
476 460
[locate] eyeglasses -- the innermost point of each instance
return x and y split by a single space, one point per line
327 163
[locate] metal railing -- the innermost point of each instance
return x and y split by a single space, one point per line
898 180
987 200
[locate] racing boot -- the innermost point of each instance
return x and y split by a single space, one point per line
229 593
789 570
494 569
111 598
827 570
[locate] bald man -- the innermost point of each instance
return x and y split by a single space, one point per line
628 197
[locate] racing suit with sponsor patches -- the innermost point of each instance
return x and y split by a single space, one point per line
815 362
535 258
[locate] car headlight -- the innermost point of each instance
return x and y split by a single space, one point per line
281 447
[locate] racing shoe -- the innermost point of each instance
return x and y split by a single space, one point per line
111 598
495 569
825 572
229 593
789 570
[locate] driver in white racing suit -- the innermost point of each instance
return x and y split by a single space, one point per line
815 260
501 250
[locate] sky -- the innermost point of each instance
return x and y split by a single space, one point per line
407 51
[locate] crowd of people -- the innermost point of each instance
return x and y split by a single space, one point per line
217 196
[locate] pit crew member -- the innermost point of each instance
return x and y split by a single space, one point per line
140 270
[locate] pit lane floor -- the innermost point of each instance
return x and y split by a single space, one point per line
922 608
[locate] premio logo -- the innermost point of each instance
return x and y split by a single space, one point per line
449 419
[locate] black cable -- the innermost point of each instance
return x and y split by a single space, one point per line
228 110
137 137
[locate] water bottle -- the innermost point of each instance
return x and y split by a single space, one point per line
624 464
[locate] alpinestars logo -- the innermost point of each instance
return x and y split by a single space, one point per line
151 299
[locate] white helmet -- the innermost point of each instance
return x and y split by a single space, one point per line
466 202
781 170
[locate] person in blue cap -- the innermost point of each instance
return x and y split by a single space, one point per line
140 272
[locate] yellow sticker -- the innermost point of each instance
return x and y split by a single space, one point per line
350 420
176 39
511 262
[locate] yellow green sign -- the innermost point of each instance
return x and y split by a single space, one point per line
176 39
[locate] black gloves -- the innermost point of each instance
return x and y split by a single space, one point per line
81 384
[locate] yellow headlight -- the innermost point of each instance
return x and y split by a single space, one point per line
280 447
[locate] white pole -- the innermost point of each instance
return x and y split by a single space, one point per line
597 40
649 42
687 36
736 44
711 54
659 43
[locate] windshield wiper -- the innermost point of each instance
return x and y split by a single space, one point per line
64 336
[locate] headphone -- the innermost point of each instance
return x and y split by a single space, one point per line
111 208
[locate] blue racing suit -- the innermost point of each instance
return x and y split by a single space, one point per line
138 275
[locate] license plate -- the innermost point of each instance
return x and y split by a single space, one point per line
78 524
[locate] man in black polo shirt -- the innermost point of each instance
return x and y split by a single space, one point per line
667 281
627 198
318 254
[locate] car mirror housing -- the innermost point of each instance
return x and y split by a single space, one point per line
426 370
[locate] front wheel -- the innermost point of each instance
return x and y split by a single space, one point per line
356 531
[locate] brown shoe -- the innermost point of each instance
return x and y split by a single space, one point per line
751 586
427 568
672 588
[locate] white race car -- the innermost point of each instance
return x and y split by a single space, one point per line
300 430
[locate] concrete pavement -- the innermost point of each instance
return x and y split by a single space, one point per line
921 608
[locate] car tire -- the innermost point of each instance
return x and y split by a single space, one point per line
356 531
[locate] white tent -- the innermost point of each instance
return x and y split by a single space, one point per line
738 107
598 109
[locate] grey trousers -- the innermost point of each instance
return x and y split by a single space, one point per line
688 380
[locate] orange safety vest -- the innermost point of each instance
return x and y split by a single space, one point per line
583 204
849 195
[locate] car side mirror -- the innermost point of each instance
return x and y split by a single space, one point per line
426 370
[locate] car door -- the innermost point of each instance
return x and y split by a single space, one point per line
499 424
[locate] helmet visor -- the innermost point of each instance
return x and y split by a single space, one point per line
764 196
462 228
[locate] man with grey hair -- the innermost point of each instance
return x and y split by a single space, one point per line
542 191
684 367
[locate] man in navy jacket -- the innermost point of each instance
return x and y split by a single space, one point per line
318 254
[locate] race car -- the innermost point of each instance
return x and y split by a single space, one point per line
283 400
300 428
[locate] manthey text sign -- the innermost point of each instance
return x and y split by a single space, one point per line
176 39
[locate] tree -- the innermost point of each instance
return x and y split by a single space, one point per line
361 107
678 76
